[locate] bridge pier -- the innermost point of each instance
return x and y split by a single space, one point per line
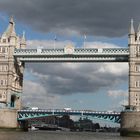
130 123
8 118
24 125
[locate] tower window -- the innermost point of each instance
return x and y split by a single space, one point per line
4 40
3 50
5 82
137 83
4 95
137 68
1 82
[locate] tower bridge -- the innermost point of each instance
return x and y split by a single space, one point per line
13 55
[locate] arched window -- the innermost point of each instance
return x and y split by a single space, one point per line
4 40
13 98
0 95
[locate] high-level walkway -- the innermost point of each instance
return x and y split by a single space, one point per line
71 54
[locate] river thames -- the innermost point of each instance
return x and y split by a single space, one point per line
45 135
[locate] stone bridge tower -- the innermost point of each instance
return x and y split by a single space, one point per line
134 67
11 71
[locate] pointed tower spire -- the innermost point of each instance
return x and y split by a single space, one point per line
11 20
131 30
23 40
13 33
10 31
138 29
23 35
132 35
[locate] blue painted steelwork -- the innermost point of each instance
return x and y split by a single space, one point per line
110 118
30 114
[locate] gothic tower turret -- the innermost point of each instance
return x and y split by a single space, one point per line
23 41
11 71
134 67
131 33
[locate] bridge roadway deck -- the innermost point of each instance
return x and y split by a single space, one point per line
106 115
74 55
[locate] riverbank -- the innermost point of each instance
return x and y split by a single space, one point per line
128 133
55 135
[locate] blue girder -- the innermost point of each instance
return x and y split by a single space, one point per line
31 114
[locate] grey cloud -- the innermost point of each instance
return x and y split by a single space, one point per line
92 17
38 96
83 78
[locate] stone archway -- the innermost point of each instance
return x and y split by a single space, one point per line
13 99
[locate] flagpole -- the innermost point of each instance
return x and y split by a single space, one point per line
54 42
84 40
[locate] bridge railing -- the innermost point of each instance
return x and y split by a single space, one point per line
77 51
71 111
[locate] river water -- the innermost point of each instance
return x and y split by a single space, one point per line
45 135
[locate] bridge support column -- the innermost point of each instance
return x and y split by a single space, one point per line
130 124
8 118
24 125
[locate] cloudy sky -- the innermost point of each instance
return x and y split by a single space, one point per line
97 86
